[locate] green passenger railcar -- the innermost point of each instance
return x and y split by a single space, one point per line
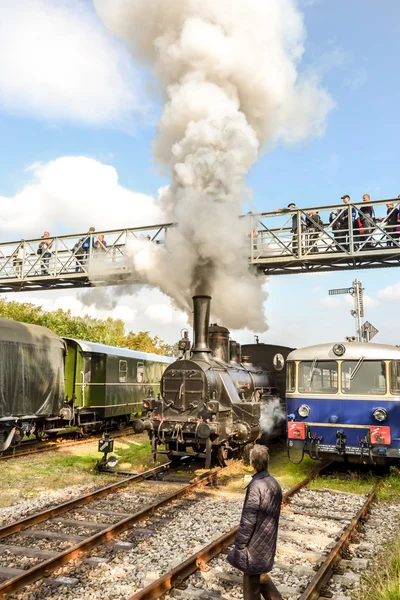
106 385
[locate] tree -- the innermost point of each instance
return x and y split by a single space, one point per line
108 331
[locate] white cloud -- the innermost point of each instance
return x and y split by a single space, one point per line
134 307
165 313
330 301
58 62
78 309
77 192
368 301
390 293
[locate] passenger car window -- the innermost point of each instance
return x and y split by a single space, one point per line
395 377
290 376
87 367
140 373
123 371
367 377
318 376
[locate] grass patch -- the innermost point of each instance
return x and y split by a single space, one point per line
358 480
383 581
286 472
26 477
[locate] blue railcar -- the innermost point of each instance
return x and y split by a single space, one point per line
343 403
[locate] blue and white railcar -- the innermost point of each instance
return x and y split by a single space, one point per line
343 402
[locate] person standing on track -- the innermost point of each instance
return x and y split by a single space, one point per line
255 541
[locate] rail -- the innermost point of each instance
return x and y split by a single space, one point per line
106 534
361 235
167 582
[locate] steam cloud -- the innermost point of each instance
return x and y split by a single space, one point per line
228 69
272 415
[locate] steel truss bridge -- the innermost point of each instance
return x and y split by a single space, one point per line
280 242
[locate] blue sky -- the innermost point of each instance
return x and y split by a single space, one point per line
354 48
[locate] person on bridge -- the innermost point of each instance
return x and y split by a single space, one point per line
367 215
255 541
347 225
392 224
100 244
296 235
44 251
314 228
18 259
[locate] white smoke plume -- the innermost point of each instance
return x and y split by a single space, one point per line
229 73
272 415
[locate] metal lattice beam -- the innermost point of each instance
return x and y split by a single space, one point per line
272 244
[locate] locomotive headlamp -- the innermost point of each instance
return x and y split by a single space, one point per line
380 414
339 349
304 410
212 406
146 404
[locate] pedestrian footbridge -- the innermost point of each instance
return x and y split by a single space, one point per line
285 241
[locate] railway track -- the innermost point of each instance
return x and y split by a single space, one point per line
28 447
79 529
315 530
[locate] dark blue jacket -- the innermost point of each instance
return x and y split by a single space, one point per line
85 242
255 541
343 215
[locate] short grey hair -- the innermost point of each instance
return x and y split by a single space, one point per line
259 458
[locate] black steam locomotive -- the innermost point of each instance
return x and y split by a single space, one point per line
212 398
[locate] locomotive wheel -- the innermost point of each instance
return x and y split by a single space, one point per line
121 425
225 456
17 439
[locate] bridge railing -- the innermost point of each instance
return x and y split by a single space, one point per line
101 254
276 241
345 230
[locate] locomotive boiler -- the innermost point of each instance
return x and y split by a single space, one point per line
210 399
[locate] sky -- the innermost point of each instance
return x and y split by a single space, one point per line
78 115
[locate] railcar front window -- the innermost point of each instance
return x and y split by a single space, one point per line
318 376
395 377
290 376
369 378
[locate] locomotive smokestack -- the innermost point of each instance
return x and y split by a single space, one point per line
201 319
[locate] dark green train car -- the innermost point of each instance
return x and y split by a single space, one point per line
106 385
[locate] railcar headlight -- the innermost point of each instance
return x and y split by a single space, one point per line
212 406
304 410
380 414
339 349
146 403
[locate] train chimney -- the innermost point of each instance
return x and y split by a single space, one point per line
201 319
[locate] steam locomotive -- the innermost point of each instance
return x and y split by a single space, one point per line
211 399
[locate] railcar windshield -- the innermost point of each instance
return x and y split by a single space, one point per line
318 376
369 377
290 376
395 377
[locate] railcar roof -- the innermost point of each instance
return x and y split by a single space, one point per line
354 350
124 352
26 333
